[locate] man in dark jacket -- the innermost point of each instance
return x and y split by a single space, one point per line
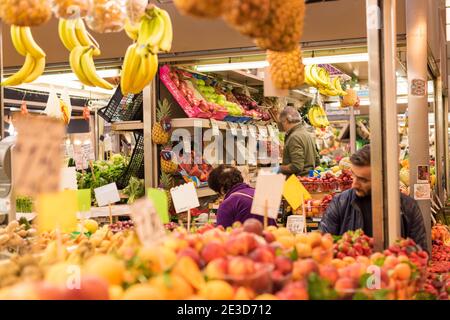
352 209
300 152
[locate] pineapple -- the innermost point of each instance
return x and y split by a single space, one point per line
201 8
283 28
247 15
169 163
166 183
161 129
286 68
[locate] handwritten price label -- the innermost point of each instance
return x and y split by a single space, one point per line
38 154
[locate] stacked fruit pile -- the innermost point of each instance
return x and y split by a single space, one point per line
243 262
121 226
353 244
250 106
317 208
328 182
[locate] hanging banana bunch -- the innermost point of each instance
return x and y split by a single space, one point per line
83 48
152 35
34 64
318 77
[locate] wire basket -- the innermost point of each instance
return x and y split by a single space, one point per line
122 108
136 165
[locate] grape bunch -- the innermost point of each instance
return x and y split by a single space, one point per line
121 226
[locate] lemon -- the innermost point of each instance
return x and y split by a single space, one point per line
91 225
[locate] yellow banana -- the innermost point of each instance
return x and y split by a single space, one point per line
75 64
62 35
88 66
38 70
324 76
316 77
130 67
85 38
324 118
29 43
151 31
17 40
71 34
19 77
131 30
308 78
311 117
166 43
338 86
147 71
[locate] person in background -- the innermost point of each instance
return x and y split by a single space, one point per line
300 153
352 209
238 196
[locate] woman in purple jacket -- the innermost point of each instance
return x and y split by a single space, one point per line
237 203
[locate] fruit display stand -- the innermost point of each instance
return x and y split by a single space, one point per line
243 262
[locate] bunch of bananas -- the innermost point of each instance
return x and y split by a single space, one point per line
317 117
154 34
34 64
320 78
83 48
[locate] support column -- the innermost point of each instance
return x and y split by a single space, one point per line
2 100
439 140
416 31
381 38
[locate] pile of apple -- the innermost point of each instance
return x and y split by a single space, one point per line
353 244
195 99
250 106
196 166
210 95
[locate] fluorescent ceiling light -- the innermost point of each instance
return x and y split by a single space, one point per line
232 66
343 58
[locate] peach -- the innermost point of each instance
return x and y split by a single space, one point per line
217 290
243 293
326 243
345 287
241 244
363 260
217 269
269 237
175 286
286 241
402 271
240 266
213 250
301 238
91 288
266 296
322 256
338 263
176 244
263 254
283 264
390 262
191 253
348 260
329 273
294 291
302 268
253 225
106 267
143 291
303 250
315 239
375 256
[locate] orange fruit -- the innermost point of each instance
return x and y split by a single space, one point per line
106 267
144 292
402 271
217 290
176 287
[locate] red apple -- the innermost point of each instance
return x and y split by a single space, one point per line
253 225
263 254
217 269
283 264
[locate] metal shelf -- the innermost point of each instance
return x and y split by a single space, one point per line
127 126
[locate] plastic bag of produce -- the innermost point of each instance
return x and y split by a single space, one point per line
25 13
71 9
107 16
136 9
53 108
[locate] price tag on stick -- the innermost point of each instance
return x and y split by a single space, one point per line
184 199
148 224
159 200
106 196
37 155
267 199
